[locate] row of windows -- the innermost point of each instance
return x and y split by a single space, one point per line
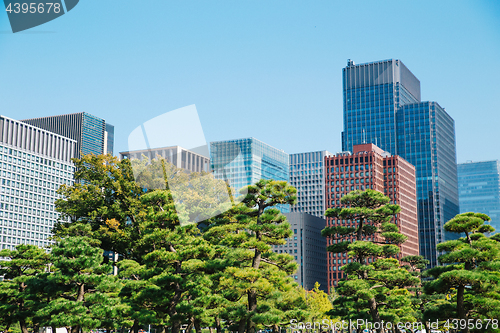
25 158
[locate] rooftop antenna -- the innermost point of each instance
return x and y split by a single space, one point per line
364 136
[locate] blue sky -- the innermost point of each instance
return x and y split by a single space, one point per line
267 69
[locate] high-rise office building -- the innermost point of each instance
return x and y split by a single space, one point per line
479 189
178 156
244 162
307 175
92 134
33 163
308 248
426 138
373 93
382 106
369 167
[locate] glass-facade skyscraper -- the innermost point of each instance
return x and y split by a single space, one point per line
92 134
307 175
244 162
426 139
382 106
479 189
373 93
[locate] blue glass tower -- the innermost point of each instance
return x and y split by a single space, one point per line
382 106
426 139
243 162
479 189
373 93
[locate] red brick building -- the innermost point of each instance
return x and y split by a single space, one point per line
369 167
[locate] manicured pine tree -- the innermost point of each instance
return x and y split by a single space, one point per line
21 265
470 275
250 233
372 290
78 287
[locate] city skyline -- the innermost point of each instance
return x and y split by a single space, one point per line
260 61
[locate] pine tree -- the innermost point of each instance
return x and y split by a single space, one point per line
256 274
471 269
22 264
79 286
372 290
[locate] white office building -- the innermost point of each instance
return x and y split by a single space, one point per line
33 164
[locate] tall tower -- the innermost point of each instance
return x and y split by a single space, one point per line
369 167
35 164
382 106
307 175
244 162
479 189
92 134
373 92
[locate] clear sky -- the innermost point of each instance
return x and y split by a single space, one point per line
267 69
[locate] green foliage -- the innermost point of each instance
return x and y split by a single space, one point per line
470 280
22 264
221 272
373 289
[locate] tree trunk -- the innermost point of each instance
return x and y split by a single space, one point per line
252 306
374 313
460 306
217 325
162 329
197 325
135 327
24 328
275 328
241 326
427 327
176 326
54 329
190 326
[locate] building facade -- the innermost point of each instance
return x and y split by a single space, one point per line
369 167
34 163
382 106
373 93
178 156
308 248
479 189
426 138
307 175
92 134
244 162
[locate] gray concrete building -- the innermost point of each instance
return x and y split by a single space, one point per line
308 248
178 156
33 164
307 175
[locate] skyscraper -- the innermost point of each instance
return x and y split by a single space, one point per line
382 106
307 175
308 248
479 189
373 93
92 134
34 163
369 167
426 138
243 162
